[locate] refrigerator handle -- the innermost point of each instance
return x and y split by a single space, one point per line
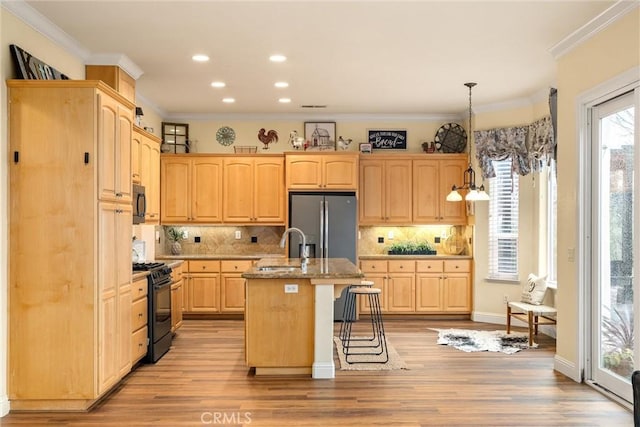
321 229
326 229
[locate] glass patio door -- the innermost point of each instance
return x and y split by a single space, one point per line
615 246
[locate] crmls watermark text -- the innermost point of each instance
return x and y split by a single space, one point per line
225 418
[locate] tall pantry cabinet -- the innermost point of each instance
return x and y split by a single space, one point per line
69 242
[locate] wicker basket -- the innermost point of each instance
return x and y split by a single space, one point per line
245 149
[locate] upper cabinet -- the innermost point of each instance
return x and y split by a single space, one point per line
115 77
254 190
410 189
114 150
148 166
322 171
190 189
432 181
385 190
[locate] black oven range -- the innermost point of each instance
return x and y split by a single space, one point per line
159 306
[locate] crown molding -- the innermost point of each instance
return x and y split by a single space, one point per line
119 59
593 27
342 117
44 26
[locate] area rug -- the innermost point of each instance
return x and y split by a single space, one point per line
470 340
394 362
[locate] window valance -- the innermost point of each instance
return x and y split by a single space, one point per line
526 146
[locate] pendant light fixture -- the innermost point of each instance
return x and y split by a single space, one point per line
469 182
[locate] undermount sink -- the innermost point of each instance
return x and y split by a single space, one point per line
278 268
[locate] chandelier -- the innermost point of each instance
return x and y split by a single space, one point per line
469 181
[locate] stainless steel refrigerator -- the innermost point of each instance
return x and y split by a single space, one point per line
329 221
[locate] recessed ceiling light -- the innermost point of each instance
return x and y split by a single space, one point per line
284 100
281 84
228 100
277 58
218 84
200 58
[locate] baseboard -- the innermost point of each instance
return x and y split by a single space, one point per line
4 406
567 368
325 370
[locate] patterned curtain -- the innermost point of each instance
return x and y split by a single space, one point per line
526 146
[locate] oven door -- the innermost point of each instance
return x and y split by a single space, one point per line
161 311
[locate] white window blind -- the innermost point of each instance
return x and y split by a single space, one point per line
503 223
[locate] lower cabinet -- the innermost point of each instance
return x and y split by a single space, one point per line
177 290
420 286
232 285
214 286
139 315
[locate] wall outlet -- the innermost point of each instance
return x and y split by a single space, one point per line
238 235
505 299
196 239
390 235
186 234
436 239
380 239
290 288
254 239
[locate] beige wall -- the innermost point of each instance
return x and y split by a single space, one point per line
608 54
204 133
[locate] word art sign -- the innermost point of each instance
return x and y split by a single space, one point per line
29 67
388 139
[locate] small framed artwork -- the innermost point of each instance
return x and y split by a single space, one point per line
320 135
365 148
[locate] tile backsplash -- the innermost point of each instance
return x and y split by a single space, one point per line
221 240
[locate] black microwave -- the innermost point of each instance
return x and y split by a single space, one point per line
139 204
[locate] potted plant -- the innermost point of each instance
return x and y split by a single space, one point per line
617 333
425 248
175 235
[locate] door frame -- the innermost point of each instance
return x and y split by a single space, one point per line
609 89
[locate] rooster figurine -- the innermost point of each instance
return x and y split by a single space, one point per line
268 138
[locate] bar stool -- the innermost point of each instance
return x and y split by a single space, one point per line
376 344
349 306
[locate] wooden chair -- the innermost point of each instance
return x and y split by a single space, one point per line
532 315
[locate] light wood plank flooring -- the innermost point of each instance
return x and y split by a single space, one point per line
203 381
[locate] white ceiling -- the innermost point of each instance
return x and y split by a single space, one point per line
355 57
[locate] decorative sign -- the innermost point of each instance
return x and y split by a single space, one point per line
29 67
388 139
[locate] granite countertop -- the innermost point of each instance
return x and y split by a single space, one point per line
187 257
317 268
382 256
137 275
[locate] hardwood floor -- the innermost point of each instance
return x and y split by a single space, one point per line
203 381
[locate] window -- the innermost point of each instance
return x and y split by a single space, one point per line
503 223
552 221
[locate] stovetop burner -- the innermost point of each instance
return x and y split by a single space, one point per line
147 266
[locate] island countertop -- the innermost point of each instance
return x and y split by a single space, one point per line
317 268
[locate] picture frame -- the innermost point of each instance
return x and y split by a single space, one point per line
387 139
365 148
320 136
28 67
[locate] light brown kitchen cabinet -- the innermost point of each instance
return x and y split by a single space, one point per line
149 171
139 316
203 286
115 77
177 291
253 190
377 272
70 185
401 286
136 146
316 171
232 285
385 190
420 286
114 149
432 181
190 189
443 286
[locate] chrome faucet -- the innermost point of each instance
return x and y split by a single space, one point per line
304 257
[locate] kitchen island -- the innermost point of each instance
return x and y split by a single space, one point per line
289 314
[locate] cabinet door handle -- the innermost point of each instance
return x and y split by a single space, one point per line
86 158
16 156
